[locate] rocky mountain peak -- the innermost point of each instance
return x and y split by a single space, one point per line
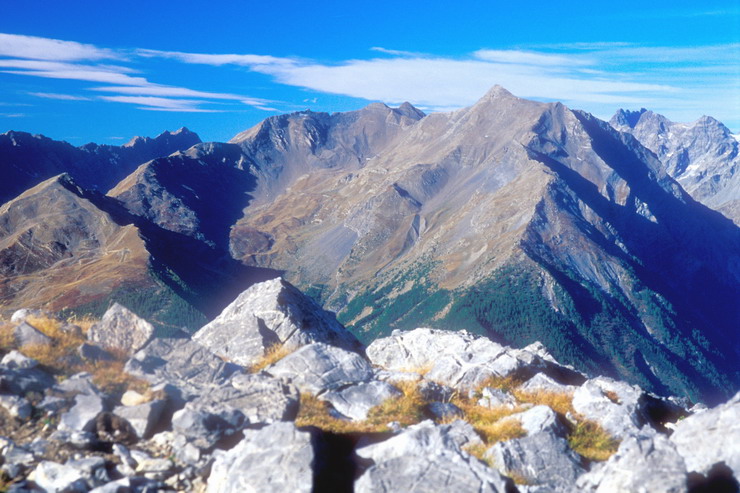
410 111
703 156
627 118
497 92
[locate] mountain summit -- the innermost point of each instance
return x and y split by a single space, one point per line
702 156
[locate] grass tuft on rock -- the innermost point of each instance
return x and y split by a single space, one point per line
272 355
592 441
560 402
60 357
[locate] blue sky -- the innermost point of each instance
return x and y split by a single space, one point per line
97 71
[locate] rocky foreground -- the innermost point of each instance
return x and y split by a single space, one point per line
275 395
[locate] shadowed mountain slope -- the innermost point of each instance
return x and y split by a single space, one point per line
26 160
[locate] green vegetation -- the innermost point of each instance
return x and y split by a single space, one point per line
160 305
512 308
405 300
594 330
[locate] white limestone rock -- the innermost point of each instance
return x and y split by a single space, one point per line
356 401
710 437
277 457
121 329
269 313
646 461
318 367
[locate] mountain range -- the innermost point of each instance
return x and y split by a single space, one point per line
516 219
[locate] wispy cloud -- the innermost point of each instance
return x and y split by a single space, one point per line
387 51
69 60
13 115
35 48
61 97
684 82
160 104
218 59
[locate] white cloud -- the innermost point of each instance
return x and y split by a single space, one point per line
218 59
62 97
160 104
56 59
161 90
19 46
396 52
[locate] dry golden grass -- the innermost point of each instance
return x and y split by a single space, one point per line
109 377
518 478
406 409
84 322
478 450
7 340
490 422
559 402
273 354
592 441
315 412
61 358
500 431
507 384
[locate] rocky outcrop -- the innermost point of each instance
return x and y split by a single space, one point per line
646 461
121 329
319 367
271 313
458 359
540 459
427 457
278 457
324 418
708 438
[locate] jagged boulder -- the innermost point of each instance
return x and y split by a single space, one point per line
646 461
710 437
539 419
278 457
15 459
458 359
82 416
267 314
318 367
224 410
28 335
356 401
181 363
542 459
55 477
142 417
428 458
542 382
615 405
121 329
16 360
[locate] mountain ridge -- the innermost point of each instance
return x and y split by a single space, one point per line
512 218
